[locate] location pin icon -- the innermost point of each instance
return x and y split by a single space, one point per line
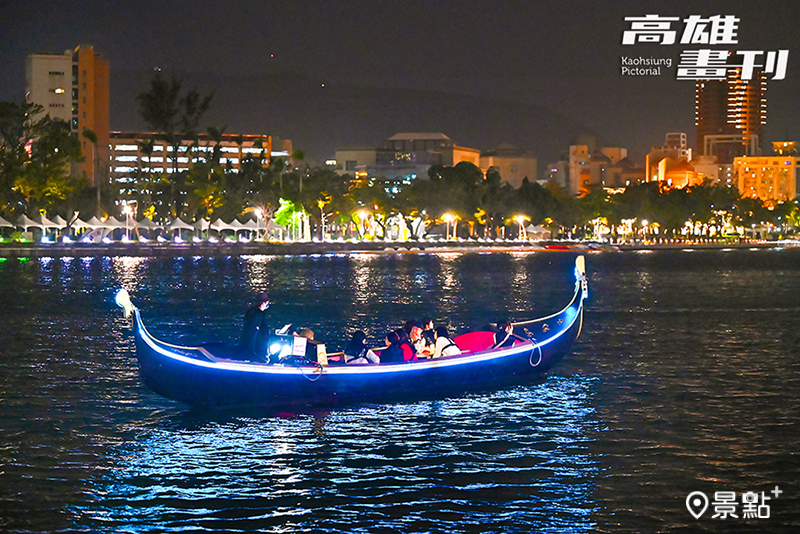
697 503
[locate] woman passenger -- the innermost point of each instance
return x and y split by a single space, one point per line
393 353
409 353
357 351
445 346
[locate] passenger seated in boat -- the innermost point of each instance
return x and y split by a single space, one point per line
422 348
409 353
504 337
393 353
255 333
444 346
428 331
311 344
357 351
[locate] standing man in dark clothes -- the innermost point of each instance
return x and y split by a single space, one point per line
255 333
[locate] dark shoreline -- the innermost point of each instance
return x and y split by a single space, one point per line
35 250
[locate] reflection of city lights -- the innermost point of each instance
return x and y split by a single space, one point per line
128 271
364 291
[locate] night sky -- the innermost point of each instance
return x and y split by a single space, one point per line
339 73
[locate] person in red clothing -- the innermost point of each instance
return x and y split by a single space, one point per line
409 353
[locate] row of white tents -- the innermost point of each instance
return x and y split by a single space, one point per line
60 225
96 229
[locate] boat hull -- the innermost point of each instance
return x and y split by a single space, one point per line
193 375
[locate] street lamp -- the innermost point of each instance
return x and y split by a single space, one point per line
127 210
520 219
259 215
321 204
448 218
362 216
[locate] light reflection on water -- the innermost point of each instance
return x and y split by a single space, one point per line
685 378
524 465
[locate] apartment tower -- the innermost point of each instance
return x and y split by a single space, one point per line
74 87
730 115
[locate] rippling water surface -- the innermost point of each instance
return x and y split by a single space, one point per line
685 379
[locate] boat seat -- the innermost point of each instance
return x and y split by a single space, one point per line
475 341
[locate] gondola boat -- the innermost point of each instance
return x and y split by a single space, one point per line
212 377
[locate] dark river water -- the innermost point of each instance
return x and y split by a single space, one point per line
686 379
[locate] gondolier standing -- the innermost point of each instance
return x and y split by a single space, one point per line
255 333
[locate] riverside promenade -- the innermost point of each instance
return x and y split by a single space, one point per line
43 250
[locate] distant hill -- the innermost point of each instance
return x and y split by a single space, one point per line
319 118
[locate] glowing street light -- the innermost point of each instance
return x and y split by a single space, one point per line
259 215
521 219
362 218
127 210
450 218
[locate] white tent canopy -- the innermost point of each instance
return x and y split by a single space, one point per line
537 232
220 225
6 223
94 222
178 224
45 222
60 221
26 222
113 222
77 222
146 224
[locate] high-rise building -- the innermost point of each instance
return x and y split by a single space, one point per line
74 87
771 179
730 115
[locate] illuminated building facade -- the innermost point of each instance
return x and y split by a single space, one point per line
74 87
769 178
730 115
134 152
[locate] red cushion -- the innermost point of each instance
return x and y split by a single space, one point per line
475 341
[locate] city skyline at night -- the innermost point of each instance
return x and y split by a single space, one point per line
521 73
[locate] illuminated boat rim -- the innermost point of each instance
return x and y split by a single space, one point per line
163 348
